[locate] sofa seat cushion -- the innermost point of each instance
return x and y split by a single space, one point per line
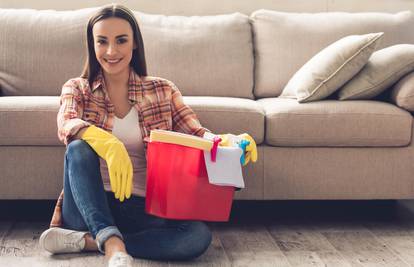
229 115
335 123
31 120
28 120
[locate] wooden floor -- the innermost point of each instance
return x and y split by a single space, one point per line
271 233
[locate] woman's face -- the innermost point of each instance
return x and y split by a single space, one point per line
114 43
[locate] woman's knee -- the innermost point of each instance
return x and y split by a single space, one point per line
80 151
205 236
201 236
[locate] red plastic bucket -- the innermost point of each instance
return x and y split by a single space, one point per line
178 187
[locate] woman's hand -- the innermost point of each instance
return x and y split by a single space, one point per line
111 149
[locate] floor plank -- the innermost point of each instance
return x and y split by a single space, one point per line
22 239
361 248
305 246
4 228
399 238
250 245
214 256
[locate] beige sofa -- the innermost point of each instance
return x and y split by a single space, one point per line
231 69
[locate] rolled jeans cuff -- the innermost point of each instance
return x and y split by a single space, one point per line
106 233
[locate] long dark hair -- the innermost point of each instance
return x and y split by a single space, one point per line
92 66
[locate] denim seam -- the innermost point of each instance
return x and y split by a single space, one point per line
105 234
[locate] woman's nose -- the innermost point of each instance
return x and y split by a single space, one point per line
111 50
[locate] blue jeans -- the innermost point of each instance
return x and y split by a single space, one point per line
87 207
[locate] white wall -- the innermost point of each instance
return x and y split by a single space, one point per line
207 7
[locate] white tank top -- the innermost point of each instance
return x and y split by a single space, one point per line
128 132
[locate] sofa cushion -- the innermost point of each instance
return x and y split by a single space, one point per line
230 115
40 50
383 69
202 55
335 123
209 55
285 41
332 67
32 120
338 173
402 93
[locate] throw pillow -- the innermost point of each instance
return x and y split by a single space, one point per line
332 67
384 68
402 93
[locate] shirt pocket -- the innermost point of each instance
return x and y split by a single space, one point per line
157 124
91 116
93 111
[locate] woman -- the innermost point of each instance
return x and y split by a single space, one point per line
104 118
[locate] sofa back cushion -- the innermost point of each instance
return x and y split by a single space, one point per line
202 55
285 41
40 50
206 55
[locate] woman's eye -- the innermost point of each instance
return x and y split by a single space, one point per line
122 40
101 42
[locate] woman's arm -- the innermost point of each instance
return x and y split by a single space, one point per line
69 117
183 117
79 133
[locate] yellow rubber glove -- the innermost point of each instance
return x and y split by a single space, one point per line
113 151
251 149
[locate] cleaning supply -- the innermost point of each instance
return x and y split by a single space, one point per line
248 145
180 139
111 149
178 185
225 139
213 151
243 144
177 138
251 148
226 170
229 140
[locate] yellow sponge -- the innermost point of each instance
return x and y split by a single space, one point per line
177 138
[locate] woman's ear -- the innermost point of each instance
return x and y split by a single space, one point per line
135 46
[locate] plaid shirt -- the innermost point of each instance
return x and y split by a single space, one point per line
158 101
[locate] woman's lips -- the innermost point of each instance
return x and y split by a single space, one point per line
112 61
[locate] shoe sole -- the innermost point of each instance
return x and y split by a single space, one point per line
42 239
46 234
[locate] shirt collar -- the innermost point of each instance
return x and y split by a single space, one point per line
134 85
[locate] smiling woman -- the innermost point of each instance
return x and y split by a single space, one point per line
114 45
113 33
105 161
113 51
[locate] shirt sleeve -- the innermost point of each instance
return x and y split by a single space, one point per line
69 120
183 117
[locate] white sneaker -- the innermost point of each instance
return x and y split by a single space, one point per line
59 240
120 259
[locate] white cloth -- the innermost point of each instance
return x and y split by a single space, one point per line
226 170
128 132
